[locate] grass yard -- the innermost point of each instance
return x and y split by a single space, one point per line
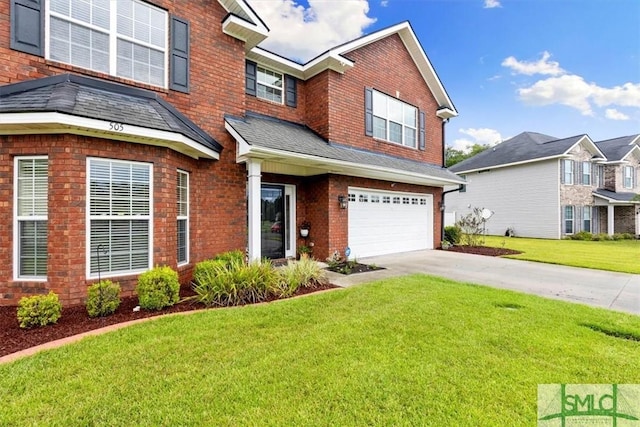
416 350
621 255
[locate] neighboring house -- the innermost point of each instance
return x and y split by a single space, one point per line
135 134
541 186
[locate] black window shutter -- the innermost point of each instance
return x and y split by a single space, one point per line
27 26
179 55
250 78
291 86
368 111
422 144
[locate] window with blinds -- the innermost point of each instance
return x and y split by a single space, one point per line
119 216
125 38
182 193
31 194
394 120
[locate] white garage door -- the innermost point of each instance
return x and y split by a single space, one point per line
385 222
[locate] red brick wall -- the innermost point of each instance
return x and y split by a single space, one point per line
269 108
217 194
387 67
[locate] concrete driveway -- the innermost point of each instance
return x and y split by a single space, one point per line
615 291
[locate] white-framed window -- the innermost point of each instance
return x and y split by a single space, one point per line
568 219
182 194
394 120
567 171
628 177
31 195
386 200
586 218
586 173
124 38
120 223
269 85
352 197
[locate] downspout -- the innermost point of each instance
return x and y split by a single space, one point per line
442 208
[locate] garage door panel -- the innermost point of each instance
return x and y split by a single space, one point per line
398 222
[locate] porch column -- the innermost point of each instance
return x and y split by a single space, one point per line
610 219
254 215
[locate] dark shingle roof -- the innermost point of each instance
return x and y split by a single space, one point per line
617 148
268 132
620 197
521 148
102 100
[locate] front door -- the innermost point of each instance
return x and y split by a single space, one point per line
272 221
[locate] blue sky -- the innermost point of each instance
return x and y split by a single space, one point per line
558 67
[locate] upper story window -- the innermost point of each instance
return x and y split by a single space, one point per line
394 120
124 38
586 173
31 205
567 171
628 178
271 85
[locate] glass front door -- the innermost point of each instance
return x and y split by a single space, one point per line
273 221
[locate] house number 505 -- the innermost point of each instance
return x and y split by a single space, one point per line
118 127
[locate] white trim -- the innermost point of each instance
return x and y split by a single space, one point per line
49 123
16 222
289 190
266 71
150 218
187 218
335 59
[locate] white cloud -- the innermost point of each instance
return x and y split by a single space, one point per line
384 3
490 4
541 66
482 136
613 114
302 33
575 92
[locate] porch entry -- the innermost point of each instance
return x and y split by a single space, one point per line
277 221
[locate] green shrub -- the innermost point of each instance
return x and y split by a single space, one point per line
39 310
452 234
158 288
601 237
623 236
235 283
581 235
304 273
230 256
103 298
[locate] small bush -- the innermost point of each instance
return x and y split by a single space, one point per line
600 237
622 236
158 288
230 256
235 283
39 310
452 234
581 235
103 298
304 273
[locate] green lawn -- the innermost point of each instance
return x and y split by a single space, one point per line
416 350
621 255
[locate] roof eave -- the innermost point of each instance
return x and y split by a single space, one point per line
58 123
250 34
505 165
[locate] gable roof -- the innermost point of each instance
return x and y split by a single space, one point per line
69 103
617 149
243 23
617 197
523 148
335 59
274 139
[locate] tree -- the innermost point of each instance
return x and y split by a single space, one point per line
453 156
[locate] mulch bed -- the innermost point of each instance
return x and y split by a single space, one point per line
483 250
353 268
75 320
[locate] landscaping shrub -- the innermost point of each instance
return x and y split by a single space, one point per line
452 234
473 227
235 283
230 256
581 235
158 288
103 298
304 273
623 236
39 310
600 237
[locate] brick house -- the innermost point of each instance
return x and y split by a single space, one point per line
135 134
541 186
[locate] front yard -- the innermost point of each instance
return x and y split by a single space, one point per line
414 350
621 255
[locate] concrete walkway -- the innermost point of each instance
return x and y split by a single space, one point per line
615 291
